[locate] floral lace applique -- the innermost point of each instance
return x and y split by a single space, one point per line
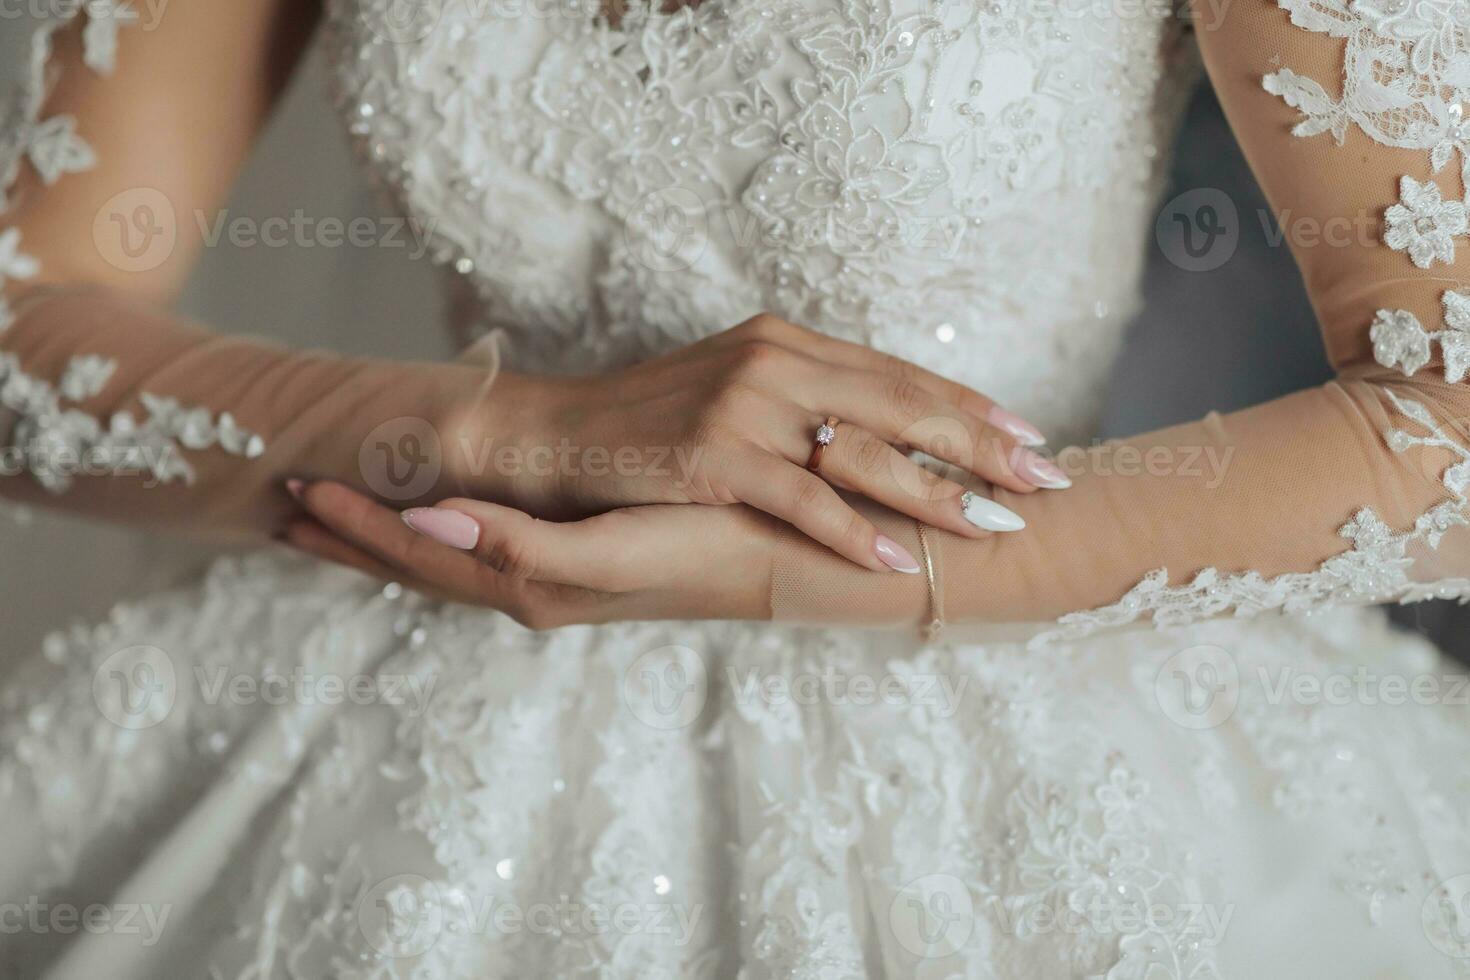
1412 51
55 441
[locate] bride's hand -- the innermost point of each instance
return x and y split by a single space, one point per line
640 563
732 419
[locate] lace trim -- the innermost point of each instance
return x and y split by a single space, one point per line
1374 569
55 442
1401 87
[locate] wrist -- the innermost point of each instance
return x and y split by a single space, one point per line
493 436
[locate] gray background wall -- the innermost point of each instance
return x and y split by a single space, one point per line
1234 336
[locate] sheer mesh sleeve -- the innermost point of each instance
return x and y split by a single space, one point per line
109 404
1351 115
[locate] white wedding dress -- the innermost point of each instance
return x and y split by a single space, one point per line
967 185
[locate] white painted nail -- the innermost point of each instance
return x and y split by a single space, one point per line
986 513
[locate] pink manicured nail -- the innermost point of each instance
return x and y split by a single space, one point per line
895 556
295 487
1022 431
1038 470
444 526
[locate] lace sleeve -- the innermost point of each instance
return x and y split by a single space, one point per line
108 403
1355 492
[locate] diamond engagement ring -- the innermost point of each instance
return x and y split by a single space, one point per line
826 432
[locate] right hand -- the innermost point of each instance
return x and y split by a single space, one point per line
732 419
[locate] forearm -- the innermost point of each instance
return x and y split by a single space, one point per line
114 408
1264 499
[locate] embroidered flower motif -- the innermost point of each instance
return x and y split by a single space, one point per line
1400 341
1427 28
85 376
55 149
15 264
1424 223
1455 342
1456 138
99 37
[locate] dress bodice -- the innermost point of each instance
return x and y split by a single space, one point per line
962 184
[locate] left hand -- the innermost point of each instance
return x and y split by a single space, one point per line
631 564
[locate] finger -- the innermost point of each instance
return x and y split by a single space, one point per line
437 566
593 554
901 412
308 535
810 504
860 461
313 538
908 417
381 533
845 353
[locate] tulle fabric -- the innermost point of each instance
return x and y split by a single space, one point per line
1309 501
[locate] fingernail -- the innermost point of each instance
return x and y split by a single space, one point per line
1038 471
895 556
295 487
444 526
1022 431
986 513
